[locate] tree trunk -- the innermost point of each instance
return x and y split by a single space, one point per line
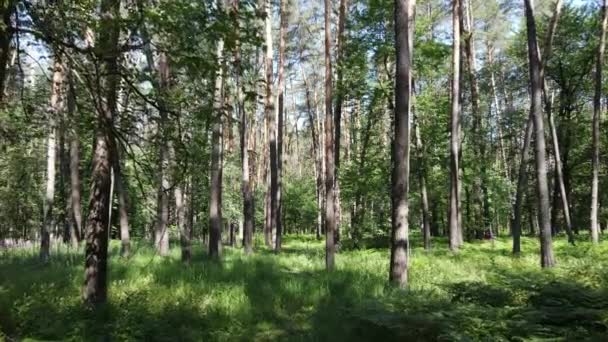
338 114
123 209
404 46
536 86
248 204
215 201
330 212
55 110
426 216
75 209
272 130
7 8
453 215
276 209
597 111
96 251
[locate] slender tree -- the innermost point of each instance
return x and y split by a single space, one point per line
215 201
597 108
248 204
330 212
280 114
536 86
338 112
56 108
454 207
404 46
96 251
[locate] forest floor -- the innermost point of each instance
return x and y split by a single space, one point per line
481 293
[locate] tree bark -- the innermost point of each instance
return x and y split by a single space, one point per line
426 216
276 209
75 209
248 204
404 46
330 212
6 35
96 251
536 86
56 107
454 207
161 234
338 113
215 201
597 111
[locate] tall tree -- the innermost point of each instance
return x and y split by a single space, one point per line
280 114
454 207
248 204
330 212
424 199
536 87
597 109
96 251
404 46
215 200
56 108
338 112
272 130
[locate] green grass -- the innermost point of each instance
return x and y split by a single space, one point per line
482 293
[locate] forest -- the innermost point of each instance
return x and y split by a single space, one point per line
303 170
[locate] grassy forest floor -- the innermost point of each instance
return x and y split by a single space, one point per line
482 293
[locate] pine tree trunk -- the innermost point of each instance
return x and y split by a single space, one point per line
276 209
75 206
453 209
404 46
426 216
536 86
7 8
330 213
96 251
215 201
338 114
56 107
248 204
597 111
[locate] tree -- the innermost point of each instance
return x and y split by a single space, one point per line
404 46
330 212
453 210
96 250
280 114
56 108
217 155
534 61
597 108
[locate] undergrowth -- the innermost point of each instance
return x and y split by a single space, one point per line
481 293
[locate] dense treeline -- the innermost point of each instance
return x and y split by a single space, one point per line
187 122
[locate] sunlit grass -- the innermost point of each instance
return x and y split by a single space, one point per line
482 292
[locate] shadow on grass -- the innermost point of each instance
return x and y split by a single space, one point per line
269 297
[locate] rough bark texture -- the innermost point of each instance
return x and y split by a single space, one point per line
96 251
546 249
330 214
453 209
215 201
404 45
597 109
